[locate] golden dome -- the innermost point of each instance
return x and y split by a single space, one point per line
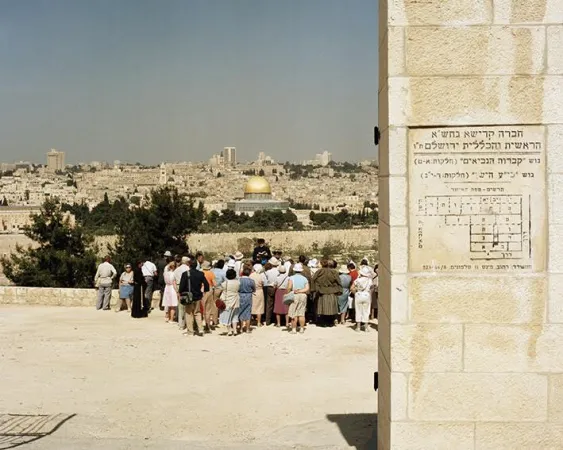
257 185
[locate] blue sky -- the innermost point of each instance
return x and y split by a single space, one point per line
174 80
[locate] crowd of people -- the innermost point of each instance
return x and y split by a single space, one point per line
239 294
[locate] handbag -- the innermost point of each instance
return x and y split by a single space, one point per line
219 303
289 298
187 297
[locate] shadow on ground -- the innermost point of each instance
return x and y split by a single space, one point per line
21 429
359 430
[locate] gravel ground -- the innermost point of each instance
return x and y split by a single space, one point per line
139 384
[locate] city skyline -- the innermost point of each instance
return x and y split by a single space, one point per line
140 81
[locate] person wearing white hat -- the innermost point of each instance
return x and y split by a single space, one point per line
280 308
161 267
238 263
346 281
259 279
362 288
181 267
299 285
272 273
313 266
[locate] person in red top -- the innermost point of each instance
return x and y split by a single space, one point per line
353 271
354 274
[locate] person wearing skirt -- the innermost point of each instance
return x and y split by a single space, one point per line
280 308
326 282
170 296
362 288
231 297
126 287
246 289
258 296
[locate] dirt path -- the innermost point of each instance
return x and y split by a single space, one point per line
141 384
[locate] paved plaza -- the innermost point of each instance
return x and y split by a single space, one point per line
77 378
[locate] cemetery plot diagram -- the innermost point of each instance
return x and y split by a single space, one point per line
476 199
497 226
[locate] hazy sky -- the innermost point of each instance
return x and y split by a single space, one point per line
175 80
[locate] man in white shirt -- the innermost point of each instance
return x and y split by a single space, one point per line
149 272
103 281
183 267
270 285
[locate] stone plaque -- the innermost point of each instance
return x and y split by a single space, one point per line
477 199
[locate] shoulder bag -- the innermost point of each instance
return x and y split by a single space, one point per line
187 297
219 303
289 297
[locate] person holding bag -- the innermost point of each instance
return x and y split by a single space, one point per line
192 286
297 285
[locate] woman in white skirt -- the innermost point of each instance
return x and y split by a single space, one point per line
170 296
231 297
362 288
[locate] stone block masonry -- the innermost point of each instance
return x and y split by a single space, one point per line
12 295
471 224
287 241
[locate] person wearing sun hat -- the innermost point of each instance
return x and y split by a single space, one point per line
280 308
210 313
299 285
272 273
346 282
259 279
362 288
238 263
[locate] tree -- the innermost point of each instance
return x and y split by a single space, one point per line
64 257
163 223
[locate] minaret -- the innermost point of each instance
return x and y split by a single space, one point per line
163 177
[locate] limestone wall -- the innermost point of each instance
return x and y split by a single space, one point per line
469 333
307 241
50 296
285 240
54 296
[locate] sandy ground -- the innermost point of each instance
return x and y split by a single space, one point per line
140 384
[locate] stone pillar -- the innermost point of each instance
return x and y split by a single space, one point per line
471 224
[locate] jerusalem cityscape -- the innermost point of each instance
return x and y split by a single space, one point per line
281 225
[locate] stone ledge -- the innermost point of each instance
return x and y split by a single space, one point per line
12 295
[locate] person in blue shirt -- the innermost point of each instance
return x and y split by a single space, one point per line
299 285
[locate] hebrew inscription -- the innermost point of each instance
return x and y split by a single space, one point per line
477 199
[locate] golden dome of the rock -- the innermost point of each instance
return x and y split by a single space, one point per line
257 185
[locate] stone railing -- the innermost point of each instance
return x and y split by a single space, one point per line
13 295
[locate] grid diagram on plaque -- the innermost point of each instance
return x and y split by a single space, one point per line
496 225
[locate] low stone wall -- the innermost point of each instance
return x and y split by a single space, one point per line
363 238
11 295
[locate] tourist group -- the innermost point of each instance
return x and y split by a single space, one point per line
238 294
